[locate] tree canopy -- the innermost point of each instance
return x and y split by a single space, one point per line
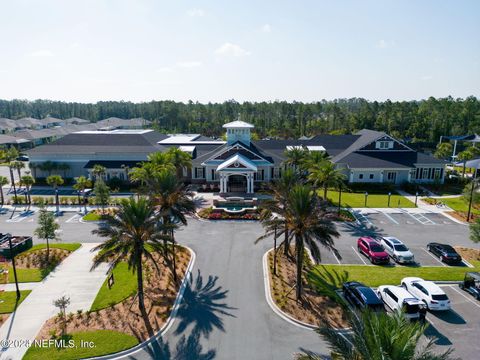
423 121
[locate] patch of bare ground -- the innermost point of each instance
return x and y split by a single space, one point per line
468 253
462 216
160 293
3 318
313 309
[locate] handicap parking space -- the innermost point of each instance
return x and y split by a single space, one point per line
458 327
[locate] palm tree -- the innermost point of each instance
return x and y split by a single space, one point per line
3 182
280 190
99 171
377 337
63 167
9 157
295 156
326 175
27 181
134 234
18 165
309 222
174 202
313 159
180 159
55 181
82 183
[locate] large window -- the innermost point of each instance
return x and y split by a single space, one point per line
199 173
384 145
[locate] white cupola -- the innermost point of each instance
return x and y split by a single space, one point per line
238 131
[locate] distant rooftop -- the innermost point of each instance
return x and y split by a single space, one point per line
238 124
116 131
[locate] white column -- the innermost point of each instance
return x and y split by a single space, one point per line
221 182
248 184
225 181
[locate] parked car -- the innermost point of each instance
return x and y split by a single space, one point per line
399 299
427 291
397 250
471 284
23 158
361 296
373 250
445 253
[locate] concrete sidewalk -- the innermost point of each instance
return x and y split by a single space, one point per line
72 278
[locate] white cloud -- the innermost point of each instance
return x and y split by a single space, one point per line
426 77
41 53
266 28
188 64
229 49
384 44
196 12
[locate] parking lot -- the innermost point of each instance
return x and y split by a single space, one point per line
458 327
415 229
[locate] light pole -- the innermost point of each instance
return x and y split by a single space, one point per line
416 198
389 194
339 198
471 199
13 265
366 196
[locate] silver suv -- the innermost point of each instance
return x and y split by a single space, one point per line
397 250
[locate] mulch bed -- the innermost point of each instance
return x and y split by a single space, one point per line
314 309
468 253
37 258
160 294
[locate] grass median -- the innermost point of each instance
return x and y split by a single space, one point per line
101 342
372 275
357 200
125 285
8 300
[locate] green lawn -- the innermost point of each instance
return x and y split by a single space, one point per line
124 286
104 342
8 300
64 246
92 217
392 275
357 200
458 204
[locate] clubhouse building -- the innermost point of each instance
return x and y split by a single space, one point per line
238 164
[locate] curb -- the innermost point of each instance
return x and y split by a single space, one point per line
271 303
171 319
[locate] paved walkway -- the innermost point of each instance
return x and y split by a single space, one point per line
72 278
21 286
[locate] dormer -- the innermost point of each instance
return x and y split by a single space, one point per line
384 144
238 131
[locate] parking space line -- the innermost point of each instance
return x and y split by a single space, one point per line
360 256
73 218
390 218
428 252
336 258
363 218
465 296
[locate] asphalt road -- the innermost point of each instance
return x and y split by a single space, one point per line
224 314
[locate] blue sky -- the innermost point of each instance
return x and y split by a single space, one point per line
140 50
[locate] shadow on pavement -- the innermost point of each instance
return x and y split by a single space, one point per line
203 306
450 316
439 338
362 229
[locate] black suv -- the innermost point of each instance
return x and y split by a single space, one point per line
361 296
445 252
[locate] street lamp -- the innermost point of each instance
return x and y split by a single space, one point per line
471 199
416 197
389 194
366 196
13 265
339 198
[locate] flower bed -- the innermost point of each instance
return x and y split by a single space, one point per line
220 214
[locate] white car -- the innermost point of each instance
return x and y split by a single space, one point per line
427 291
399 299
397 250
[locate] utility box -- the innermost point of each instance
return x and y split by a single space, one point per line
19 244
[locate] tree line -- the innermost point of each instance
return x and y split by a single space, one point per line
418 121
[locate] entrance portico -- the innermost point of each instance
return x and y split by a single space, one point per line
231 172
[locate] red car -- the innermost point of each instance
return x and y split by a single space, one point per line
373 250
